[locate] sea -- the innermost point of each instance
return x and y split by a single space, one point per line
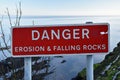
68 66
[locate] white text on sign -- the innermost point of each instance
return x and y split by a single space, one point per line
66 34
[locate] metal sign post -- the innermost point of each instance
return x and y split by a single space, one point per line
27 68
90 67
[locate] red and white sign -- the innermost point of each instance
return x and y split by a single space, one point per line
60 39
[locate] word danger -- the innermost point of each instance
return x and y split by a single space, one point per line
58 34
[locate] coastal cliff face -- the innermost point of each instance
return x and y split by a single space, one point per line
108 69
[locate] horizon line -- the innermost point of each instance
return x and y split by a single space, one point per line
62 16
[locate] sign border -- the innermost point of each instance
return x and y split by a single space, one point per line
59 25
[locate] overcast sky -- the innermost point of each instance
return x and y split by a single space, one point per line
63 7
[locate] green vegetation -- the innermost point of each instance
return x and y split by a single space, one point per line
107 69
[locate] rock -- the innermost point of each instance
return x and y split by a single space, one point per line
118 45
63 61
119 68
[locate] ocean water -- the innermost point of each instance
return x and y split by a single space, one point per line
74 63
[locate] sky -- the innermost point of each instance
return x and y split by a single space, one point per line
62 7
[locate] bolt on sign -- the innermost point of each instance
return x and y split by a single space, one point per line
60 39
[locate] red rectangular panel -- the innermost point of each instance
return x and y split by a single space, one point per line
60 39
